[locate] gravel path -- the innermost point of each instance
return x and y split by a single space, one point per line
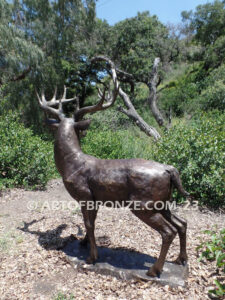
34 225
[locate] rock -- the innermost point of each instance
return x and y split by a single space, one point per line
124 264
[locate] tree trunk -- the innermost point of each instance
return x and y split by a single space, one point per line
152 99
135 117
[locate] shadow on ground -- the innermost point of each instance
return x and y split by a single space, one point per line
70 245
121 263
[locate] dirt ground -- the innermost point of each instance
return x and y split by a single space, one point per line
34 225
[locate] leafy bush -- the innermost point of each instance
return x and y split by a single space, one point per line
198 151
121 144
61 296
214 250
215 53
196 89
105 144
213 97
213 94
25 160
181 91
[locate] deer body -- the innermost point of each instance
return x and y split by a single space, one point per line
87 178
90 178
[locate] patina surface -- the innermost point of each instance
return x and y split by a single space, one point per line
89 179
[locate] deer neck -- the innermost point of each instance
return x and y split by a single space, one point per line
67 151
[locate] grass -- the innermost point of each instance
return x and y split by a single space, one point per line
9 239
61 296
4 244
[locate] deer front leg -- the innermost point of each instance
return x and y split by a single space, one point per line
167 231
89 222
84 241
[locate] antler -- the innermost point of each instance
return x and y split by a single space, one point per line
47 105
106 100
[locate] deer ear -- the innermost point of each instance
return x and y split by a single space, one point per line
82 125
52 123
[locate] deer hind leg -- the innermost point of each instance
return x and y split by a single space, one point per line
166 230
181 226
89 222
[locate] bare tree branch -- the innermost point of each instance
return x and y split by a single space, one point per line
152 99
130 111
135 117
22 75
19 77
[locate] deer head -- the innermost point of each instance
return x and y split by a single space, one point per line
54 115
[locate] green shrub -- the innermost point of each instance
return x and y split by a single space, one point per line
61 296
213 94
198 151
215 53
105 144
196 89
25 160
213 97
180 92
214 250
215 75
108 144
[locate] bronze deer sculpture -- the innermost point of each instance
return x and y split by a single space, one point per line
87 178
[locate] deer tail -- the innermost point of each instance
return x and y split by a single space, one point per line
176 181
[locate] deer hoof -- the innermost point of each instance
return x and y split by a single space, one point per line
90 260
84 242
181 261
153 272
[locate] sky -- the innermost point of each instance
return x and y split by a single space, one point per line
168 11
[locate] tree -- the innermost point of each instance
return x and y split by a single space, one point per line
18 55
207 24
135 43
208 21
52 38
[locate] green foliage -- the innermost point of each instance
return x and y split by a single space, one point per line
213 97
136 42
120 144
213 91
104 144
214 250
47 43
17 53
109 119
208 21
25 160
195 89
62 296
197 149
214 55
180 92
207 27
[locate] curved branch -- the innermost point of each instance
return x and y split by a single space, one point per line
130 111
152 99
135 117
